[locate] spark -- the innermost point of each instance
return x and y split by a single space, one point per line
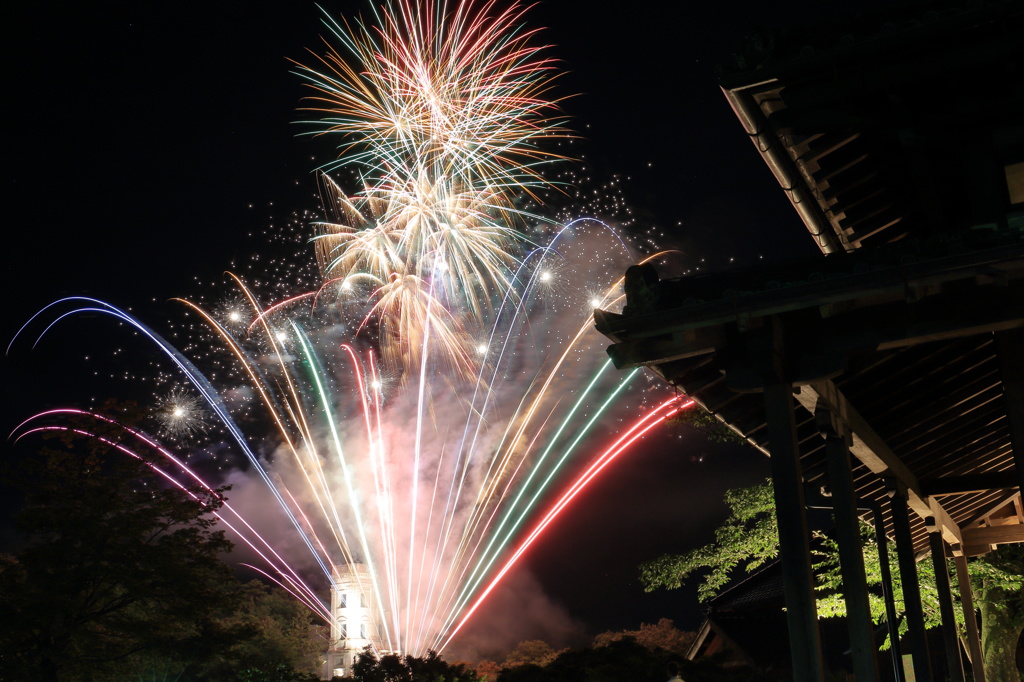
181 415
424 418
443 109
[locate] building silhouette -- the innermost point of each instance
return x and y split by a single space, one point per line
889 370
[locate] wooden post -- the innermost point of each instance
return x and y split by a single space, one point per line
970 617
950 639
851 554
794 546
895 650
911 588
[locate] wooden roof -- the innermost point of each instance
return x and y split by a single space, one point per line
913 355
900 124
891 136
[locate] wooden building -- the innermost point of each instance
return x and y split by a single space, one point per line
890 370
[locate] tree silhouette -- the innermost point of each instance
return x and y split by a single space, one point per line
371 667
114 567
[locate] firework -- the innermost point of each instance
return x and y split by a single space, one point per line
181 414
437 96
442 110
443 380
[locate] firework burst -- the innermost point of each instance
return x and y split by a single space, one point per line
181 415
442 110
443 381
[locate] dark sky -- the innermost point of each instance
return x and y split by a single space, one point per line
148 141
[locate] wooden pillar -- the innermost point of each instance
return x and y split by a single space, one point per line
1010 349
911 588
970 617
851 554
794 547
950 638
895 650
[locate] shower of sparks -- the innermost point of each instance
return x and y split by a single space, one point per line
442 110
181 415
441 381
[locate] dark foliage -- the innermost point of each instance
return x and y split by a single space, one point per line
622 659
122 577
393 668
704 422
280 672
114 566
278 636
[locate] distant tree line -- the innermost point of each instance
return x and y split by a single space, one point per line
641 655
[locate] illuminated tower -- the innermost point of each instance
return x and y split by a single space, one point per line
353 627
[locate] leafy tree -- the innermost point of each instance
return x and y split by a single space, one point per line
704 422
830 601
369 667
623 659
748 539
620 660
487 671
115 567
531 652
279 632
662 635
432 668
998 582
275 672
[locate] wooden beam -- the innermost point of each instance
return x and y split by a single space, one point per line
980 515
988 305
976 483
994 535
963 578
678 345
1010 347
882 546
876 455
976 550
698 641
954 664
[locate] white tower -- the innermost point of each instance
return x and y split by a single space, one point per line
353 626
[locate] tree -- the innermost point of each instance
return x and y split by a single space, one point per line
531 652
432 668
623 659
279 632
661 635
620 660
998 582
487 671
748 538
369 667
277 672
115 568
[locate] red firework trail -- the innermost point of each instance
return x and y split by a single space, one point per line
641 427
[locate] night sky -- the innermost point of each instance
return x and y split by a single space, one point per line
150 144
